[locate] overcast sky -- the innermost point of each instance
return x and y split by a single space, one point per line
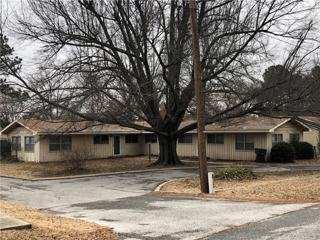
27 50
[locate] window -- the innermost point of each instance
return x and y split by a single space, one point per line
294 137
244 142
65 142
185 138
215 139
16 143
54 143
29 144
150 138
276 138
132 138
60 143
100 139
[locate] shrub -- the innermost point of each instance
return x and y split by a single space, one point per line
303 150
237 172
282 152
75 160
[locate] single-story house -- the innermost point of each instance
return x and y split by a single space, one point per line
312 136
44 141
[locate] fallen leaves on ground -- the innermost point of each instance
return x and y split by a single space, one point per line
50 227
291 187
31 170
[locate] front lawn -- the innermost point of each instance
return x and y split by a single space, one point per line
285 187
49 227
308 161
56 169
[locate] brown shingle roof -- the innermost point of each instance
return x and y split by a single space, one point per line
246 124
243 124
75 127
315 119
312 121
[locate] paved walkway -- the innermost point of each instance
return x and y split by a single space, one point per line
9 223
125 203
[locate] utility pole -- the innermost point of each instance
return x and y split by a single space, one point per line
199 98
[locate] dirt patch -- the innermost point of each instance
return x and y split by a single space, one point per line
56 169
50 227
293 187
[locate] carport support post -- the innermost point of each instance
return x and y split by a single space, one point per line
199 98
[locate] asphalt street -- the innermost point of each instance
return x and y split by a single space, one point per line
125 203
299 225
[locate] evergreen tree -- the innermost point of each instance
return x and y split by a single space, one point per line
11 98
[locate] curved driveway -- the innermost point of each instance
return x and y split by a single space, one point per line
125 203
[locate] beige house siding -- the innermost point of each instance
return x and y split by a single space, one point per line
22 154
188 149
313 137
131 149
268 143
154 148
183 149
228 151
285 130
84 143
288 128
79 143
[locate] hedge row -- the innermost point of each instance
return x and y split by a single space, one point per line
285 152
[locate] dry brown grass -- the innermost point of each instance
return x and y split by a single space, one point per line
242 162
308 161
56 169
294 187
50 227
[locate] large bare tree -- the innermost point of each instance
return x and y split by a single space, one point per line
136 56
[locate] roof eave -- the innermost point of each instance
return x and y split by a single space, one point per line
21 124
293 120
91 133
279 125
3 131
238 131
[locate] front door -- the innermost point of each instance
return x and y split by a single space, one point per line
116 145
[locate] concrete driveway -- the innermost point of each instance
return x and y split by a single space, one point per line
125 203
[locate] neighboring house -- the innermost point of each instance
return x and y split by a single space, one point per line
312 136
236 139
45 141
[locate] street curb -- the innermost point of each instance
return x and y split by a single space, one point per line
217 163
101 174
98 174
12 223
158 188
208 197
18 178
140 171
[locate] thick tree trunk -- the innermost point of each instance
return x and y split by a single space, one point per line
168 151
